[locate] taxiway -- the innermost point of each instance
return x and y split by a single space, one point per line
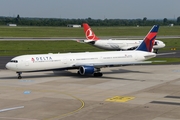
143 92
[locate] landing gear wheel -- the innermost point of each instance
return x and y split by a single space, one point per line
19 75
156 51
78 73
98 74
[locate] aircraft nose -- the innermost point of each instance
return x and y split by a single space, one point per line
8 66
164 44
161 44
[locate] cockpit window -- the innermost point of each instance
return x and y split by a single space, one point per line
156 43
14 61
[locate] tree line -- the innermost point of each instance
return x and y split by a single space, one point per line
92 22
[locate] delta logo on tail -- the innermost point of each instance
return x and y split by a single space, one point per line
149 40
89 33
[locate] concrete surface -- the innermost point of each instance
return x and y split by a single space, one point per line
67 96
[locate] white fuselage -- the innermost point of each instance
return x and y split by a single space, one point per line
41 62
122 44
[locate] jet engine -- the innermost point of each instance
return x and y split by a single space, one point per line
84 70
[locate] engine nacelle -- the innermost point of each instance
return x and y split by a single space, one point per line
84 70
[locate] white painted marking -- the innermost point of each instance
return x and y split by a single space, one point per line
27 92
12 118
7 109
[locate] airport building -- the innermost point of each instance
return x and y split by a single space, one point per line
13 25
75 26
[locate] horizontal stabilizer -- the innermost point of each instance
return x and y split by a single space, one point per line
166 53
88 41
80 41
159 61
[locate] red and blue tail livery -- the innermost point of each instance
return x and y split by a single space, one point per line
149 40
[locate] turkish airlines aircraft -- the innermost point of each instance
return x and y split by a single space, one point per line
92 39
86 62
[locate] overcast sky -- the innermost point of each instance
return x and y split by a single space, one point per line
96 9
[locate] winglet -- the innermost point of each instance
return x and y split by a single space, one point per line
89 33
149 40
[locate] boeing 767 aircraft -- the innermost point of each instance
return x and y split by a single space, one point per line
87 63
106 44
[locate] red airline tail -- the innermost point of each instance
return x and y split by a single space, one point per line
149 40
89 33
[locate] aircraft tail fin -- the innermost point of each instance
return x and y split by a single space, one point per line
89 33
149 40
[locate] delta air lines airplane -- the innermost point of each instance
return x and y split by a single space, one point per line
87 63
92 39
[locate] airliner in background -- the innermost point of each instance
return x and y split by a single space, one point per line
110 44
86 63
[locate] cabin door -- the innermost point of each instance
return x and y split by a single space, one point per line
65 60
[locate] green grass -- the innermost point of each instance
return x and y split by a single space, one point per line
78 32
165 60
172 44
134 31
39 32
14 48
8 48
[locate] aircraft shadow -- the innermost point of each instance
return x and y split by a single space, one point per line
62 74
75 75
119 71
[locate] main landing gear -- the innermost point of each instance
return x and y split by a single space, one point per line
98 74
19 75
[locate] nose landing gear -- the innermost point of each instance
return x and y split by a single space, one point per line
19 75
156 51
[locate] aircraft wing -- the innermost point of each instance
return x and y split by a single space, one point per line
129 47
109 64
80 41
